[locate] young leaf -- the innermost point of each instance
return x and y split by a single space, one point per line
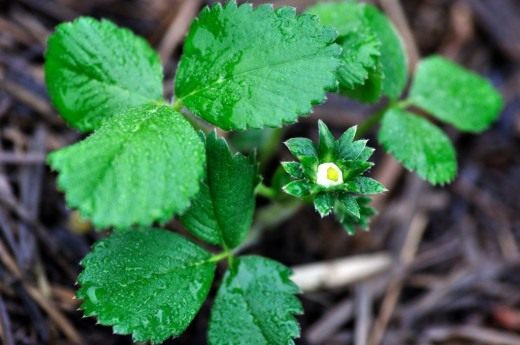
139 167
361 46
419 145
245 67
255 305
455 95
148 282
222 212
371 90
393 60
94 70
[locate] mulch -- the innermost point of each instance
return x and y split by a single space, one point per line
456 276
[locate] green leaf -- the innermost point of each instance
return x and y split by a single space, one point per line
299 188
95 70
139 167
455 95
255 305
324 203
418 145
394 63
361 46
244 67
365 185
370 91
222 212
148 282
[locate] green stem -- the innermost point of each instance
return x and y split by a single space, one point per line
177 105
220 256
365 126
265 191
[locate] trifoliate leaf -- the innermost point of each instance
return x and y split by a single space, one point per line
364 185
394 63
455 95
139 167
361 46
298 188
324 203
255 305
222 212
95 70
294 169
419 145
255 67
148 282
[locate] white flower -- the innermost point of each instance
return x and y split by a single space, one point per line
329 175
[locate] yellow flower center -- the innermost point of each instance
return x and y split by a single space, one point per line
329 175
332 174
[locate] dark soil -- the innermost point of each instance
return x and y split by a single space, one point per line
456 282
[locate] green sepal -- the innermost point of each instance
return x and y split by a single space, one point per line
353 168
324 203
366 153
301 147
365 185
350 222
310 167
294 169
347 204
327 143
298 188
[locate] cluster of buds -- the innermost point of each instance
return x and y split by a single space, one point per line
331 175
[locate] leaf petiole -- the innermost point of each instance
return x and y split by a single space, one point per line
220 256
265 191
178 105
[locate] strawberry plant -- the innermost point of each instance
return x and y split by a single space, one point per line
146 159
